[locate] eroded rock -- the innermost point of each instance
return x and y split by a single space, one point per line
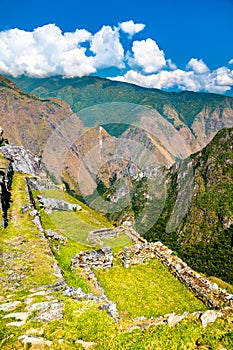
50 204
208 317
10 306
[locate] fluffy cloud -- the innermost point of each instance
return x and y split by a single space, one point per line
107 48
131 28
164 79
45 51
218 81
198 66
147 56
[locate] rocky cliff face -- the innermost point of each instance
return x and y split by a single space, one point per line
196 116
201 228
27 120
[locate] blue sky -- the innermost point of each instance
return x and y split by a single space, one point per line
172 45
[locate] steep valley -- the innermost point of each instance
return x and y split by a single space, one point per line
98 209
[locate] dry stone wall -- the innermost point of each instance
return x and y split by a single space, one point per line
98 236
101 258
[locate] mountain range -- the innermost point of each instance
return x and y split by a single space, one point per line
96 174
97 136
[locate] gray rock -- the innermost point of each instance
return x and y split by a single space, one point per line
50 204
50 313
173 319
208 316
22 316
57 237
10 306
23 160
38 341
85 344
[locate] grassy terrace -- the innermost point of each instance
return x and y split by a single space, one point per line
75 225
26 253
147 290
23 246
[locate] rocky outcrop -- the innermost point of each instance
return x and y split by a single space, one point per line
50 204
39 183
22 160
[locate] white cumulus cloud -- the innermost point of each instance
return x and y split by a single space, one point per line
198 66
147 56
107 48
47 51
44 51
164 79
219 81
131 28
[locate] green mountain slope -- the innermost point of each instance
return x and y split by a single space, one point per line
204 237
84 92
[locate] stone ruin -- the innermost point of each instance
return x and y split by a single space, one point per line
98 236
101 258
57 237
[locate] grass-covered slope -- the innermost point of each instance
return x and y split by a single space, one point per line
148 290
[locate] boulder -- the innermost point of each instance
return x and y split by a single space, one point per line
208 317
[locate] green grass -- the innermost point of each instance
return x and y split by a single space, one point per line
147 290
118 243
63 257
23 244
88 212
74 225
